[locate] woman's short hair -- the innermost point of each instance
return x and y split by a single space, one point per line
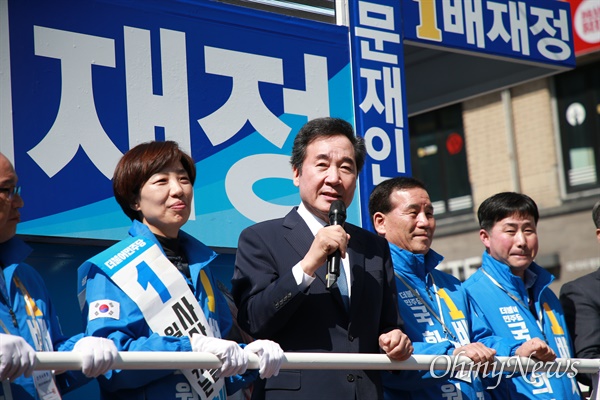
139 164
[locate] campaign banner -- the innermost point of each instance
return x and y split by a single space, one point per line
586 25
83 81
379 95
532 31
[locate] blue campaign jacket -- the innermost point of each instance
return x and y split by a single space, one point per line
419 272
131 332
511 318
12 255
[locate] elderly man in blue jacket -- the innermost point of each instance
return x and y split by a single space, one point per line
28 321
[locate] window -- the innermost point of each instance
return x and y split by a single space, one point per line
578 101
438 157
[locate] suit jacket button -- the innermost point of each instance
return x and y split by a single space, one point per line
350 378
350 338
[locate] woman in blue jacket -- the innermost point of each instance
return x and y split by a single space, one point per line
155 292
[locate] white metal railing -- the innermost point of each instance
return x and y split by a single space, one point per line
187 360
61 361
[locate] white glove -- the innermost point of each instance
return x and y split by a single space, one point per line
270 357
98 355
234 360
17 357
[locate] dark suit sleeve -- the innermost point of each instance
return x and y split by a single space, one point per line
265 292
390 315
581 304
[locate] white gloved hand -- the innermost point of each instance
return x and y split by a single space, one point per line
98 355
234 360
270 357
17 357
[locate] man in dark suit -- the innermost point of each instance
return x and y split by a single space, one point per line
279 282
581 302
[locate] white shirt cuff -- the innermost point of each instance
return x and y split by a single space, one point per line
302 279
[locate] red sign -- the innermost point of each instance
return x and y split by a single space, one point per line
586 25
454 143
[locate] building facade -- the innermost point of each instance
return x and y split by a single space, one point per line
540 138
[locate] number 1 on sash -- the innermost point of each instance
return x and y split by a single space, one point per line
146 276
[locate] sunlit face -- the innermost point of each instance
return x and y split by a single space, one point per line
328 173
9 208
410 224
165 200
512 241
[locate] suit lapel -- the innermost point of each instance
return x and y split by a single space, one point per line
301 238
298 234
357 265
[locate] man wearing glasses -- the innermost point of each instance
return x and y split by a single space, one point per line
28 322
10 203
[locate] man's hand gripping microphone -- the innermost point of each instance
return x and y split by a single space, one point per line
337 216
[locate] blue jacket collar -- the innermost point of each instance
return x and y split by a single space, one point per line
408 263
502 273
14 251
198 253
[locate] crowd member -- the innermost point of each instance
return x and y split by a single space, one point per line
512 294
28 320
279 281
432 303
155 292
581 301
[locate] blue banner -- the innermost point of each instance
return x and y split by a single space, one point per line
83 81
380 108
90 79
532 31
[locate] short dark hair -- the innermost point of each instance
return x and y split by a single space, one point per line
505 204
326 127
139 164
596 214
379 200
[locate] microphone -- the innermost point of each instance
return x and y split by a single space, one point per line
337 216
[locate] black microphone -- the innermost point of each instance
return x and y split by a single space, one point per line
337 216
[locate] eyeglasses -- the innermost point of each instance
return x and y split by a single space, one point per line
11 191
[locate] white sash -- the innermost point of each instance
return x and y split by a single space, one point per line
145 274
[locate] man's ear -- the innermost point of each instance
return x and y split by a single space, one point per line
379 223
485 238
296 176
